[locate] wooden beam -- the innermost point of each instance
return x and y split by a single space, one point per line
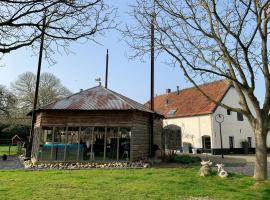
105 144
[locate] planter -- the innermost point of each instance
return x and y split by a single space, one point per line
187 147
194 151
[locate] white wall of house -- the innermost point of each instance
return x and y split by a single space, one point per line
193 128
240 130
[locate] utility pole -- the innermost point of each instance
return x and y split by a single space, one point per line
152 88
107 68
29 147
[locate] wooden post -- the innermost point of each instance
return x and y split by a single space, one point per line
65 150
52 143
105 144
29 147
92 143
117 154
131 145
79 138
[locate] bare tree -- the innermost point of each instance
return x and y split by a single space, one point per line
66 20
210 39
51 89
7 101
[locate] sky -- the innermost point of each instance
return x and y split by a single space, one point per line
79 70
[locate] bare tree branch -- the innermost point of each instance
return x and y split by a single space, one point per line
69 20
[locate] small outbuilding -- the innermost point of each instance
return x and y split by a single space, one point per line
97 124
15 140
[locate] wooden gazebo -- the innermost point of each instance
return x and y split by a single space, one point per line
94 125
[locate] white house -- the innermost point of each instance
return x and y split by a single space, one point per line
194 115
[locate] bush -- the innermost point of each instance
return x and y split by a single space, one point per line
185 159
4 157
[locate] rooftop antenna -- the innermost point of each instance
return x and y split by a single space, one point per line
107 66
98 80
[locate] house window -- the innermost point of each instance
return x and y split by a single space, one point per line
171 112
229 112
206 142
249 142
240 116
231 142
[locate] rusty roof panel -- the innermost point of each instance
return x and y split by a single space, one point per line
96 98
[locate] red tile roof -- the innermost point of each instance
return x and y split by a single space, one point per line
190 102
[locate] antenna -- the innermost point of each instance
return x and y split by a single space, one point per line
107 66
98 80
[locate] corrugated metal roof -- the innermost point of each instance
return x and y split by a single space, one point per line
96 98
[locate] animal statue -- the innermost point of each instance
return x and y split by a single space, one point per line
206 169
221 171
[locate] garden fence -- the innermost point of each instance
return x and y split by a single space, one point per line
6 147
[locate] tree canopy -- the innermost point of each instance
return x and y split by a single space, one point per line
7 101
50 90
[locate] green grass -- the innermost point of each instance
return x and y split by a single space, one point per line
165 183
4 149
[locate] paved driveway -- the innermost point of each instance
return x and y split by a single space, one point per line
248 168
250 158
12 162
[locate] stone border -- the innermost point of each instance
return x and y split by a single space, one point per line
84 165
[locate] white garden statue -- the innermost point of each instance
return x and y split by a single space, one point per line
206 169
221 171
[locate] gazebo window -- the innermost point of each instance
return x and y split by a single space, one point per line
124 146
59 143
72 142
86 144
112 144
45 144
99 143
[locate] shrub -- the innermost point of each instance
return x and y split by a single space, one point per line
4 157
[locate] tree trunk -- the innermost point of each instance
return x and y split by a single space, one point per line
260 172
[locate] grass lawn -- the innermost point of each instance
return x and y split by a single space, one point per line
4 149
163 183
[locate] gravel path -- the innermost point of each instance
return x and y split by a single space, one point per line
247 169
12 162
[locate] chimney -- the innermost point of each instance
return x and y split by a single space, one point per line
168 91
177 89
